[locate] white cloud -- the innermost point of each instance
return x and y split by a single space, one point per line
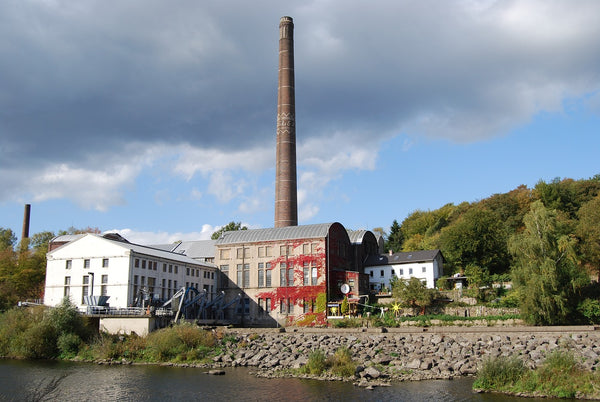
90 188
155 238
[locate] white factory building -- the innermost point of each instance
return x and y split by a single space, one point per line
109 265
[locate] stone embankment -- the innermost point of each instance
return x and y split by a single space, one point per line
406 354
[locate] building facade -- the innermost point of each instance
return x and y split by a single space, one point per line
290 274
94 265
426 265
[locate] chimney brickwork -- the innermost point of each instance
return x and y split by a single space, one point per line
26 219
286 197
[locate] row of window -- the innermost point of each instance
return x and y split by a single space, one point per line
400 271
172 269
86 286
286 306
86 263
265 251
286 274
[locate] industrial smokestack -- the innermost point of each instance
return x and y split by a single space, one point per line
286 197
26 217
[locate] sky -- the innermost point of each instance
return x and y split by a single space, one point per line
157 119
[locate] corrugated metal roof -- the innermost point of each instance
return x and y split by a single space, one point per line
196 248
147 250
402 258
273 234
165 247
356 236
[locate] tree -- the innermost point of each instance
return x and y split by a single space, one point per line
345 307
39 241
545 273
7 239
478 279
231 226
413 292
477 237
74 230
588 231
396 238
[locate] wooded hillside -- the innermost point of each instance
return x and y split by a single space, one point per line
478 233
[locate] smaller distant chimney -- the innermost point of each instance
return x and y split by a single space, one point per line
26 217
391 252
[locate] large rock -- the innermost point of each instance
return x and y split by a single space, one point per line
372 372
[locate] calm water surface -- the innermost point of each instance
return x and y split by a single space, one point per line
62 381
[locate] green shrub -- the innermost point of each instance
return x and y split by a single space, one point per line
321 303
12 325
106 347
510 300
442 283
164 344
499 372
68 345
560 361
317 363
193 336
590 309
66 319
38 341
341 363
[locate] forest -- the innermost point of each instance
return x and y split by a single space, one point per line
546 240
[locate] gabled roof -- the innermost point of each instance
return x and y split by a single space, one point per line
317 231
66 238
136 248
403 257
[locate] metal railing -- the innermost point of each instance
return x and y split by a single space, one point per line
125 311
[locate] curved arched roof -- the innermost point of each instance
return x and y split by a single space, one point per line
274 234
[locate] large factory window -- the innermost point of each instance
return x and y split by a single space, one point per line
246 275
261 274
305 274
239 275
282 274
68 264
105 263
268 276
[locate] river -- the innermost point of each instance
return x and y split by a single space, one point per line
65 381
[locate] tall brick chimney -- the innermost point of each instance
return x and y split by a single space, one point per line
26 218
286 197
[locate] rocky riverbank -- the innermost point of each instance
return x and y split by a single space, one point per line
394 355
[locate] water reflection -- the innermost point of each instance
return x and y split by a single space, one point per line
39 381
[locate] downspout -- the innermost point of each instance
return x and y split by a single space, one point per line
326 273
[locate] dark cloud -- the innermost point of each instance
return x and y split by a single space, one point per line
85 78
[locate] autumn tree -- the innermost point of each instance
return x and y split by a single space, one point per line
545 273
231 226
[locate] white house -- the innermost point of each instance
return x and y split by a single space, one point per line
95 265
426 265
